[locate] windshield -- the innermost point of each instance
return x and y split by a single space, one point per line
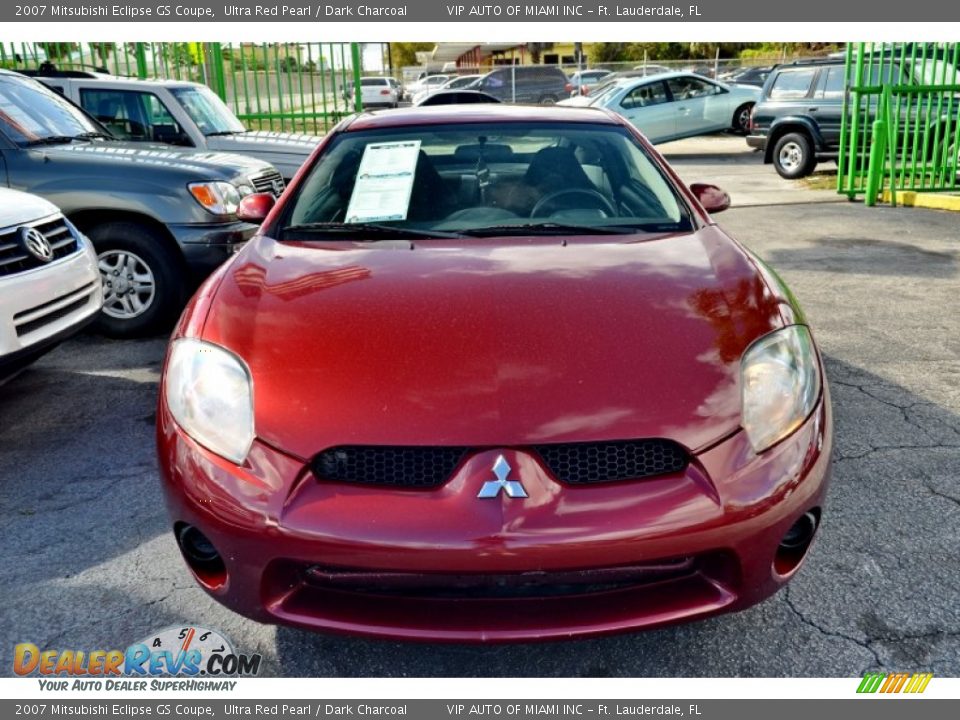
207 111
504 178
29 113
602 89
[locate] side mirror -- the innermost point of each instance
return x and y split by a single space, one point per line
712 198
254 208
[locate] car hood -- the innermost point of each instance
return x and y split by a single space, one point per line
577 101
135 156
745 89
493 343
19 207
271 146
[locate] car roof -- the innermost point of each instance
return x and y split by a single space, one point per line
640 79
117 79
479 113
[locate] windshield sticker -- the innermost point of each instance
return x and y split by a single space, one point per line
384 182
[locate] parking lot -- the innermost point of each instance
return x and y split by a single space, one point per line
90 562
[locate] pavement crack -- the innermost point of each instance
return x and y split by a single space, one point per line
842 457
47 643
830 633
938 493
904 410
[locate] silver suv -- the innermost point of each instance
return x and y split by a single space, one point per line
177 112
49 282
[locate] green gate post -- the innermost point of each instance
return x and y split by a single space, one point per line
216 70
140 52
878 148
357 63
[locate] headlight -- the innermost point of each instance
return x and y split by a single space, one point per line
779 385
210 393
220 198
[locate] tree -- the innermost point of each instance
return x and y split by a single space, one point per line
405 53
102 50
57 50
607 52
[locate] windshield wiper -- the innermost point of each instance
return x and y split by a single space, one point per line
51 140
363 231
550 228
217 133
64 139
94 135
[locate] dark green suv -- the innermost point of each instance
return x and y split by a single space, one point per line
798 118
796 122
160 218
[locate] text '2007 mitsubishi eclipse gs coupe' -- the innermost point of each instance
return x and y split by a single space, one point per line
492 374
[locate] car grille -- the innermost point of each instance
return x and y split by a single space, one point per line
410 467
600 462
473 586
429 467
270 181
32 319
14 258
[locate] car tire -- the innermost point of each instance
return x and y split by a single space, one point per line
547 100
143 283
793 156
741 119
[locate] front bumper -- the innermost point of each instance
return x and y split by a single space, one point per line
444 565
42 307
205 247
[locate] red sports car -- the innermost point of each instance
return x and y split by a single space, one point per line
492 373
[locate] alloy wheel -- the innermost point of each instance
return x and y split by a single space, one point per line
129 287
791 156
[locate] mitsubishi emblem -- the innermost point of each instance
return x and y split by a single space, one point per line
492 488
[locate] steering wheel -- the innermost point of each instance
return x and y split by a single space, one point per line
605 204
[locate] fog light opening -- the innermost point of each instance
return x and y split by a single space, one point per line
201 555
796 541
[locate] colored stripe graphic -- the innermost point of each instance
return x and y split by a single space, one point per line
894 683
871 683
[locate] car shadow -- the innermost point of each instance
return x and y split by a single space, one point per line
843 254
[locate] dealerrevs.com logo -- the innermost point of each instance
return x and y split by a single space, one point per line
176 651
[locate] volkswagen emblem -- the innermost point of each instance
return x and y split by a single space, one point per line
36 244
492 488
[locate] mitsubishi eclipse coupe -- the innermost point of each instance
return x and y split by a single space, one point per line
492 373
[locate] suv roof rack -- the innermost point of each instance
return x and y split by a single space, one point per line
813 61
48 69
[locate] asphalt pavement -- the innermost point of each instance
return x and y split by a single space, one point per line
89 561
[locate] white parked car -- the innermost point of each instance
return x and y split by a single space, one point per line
432 82
675 105
378 92
456 82
49 281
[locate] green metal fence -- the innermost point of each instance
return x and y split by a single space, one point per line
296 87
900 128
